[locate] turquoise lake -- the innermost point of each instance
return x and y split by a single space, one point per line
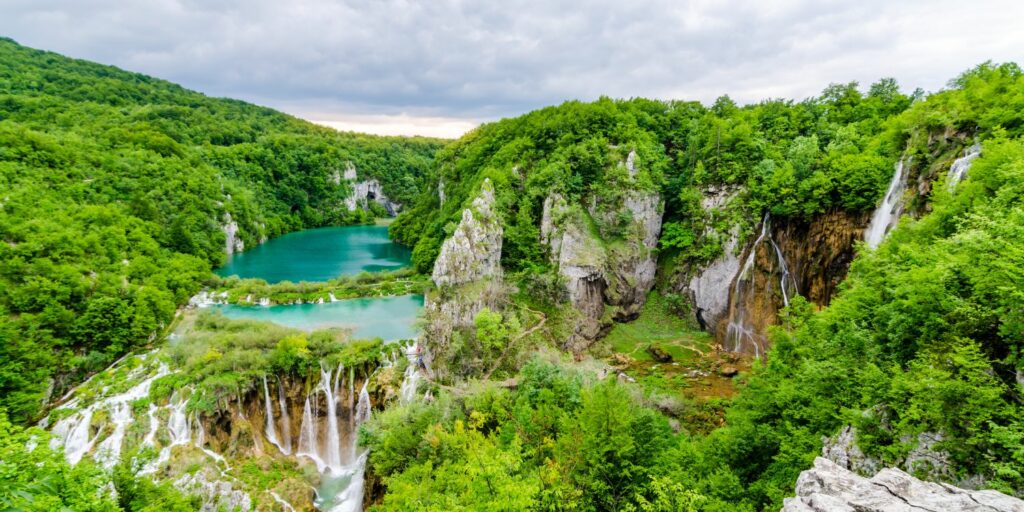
319 255
390 318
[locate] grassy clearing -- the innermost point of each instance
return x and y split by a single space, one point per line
696 371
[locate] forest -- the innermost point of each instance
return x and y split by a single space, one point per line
115 189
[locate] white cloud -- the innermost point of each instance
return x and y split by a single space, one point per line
385 63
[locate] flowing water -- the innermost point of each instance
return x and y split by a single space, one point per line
319 255
332 410
958 171
887 215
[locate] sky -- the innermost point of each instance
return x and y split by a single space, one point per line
440 67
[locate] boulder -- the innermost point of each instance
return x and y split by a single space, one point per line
827 487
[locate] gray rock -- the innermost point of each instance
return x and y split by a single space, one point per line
473 251
232 243
829 487
842 449
365 191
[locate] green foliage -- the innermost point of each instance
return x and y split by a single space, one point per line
35 478
554 443
115 186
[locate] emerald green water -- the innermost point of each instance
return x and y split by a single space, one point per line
319 255
389 318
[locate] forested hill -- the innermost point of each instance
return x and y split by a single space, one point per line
115 188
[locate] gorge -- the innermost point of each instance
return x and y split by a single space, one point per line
607 305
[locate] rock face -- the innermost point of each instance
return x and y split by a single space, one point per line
605 252
232 243
827 487
467 272
473 251
365 191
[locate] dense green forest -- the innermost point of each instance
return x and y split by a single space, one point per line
795 159
925 336
114 187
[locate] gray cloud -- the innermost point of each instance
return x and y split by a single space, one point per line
480 60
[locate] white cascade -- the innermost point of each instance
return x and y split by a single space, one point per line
73 431
739 333
77 443
154 426
332 447
308 446
958 170
887 215
108 452
786 280
286 422
411 380
332 297
363 407
271 430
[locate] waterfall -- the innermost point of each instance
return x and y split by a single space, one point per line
109 451
412 375
333 446
154 425
73 431
961 165
741 333
332 297
307 437
362 412
786 280
78 443
286 422
887 215
270 429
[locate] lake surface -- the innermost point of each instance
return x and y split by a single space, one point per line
319 255
389 318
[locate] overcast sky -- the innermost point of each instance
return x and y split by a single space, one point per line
438 67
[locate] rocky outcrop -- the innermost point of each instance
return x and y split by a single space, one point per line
473 251
829 487
605 253
232 242
365 191
467 272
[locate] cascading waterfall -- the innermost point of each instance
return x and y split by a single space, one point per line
285 420
741 334
333 446
271 430
154 426
73 432
307 437
958 170
887 215
411 379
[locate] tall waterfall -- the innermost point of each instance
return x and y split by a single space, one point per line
741 333
411 379
887 215
286 422
271 430
961 165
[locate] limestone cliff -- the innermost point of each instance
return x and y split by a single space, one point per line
467 273
828 487
364 191
605 252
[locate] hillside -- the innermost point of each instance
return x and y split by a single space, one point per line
120 191
630 304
